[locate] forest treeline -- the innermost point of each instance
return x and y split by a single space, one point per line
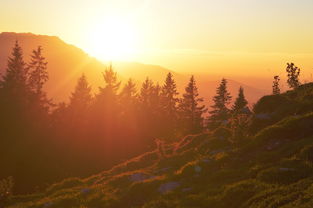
42 142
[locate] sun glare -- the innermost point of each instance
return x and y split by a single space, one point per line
112 39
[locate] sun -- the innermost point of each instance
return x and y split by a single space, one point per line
113 38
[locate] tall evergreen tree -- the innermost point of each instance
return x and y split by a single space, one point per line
220 112
112 84
15 78
240 103
149 97
81 98
169 96
276 89
146 93
169 108
129 90
107 98
14 89
293 73
129 98
191 111
156 98
77 113
38 74
106 109
149 111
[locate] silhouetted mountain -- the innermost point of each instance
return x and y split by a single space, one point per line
66 63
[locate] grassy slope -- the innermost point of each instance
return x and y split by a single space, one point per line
273 168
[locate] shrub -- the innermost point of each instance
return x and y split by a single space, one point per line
307 154
222 133
290 128
270 104
237 194
6 187
286 174
65 184
160 203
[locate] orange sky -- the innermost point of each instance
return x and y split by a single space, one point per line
242 37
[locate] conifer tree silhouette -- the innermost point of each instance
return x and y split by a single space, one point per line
220 112
293 73
191 110
276 89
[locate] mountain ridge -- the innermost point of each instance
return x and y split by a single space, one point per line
67 62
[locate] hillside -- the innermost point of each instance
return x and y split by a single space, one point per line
67 62
272 167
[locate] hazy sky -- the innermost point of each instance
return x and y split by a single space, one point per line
211 36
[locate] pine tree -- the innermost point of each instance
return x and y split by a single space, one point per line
241 103
112 83
191 111
149 112
107 95
76 113
38 74
149 98
129 91
129 97
106 109
276 89
81 97
220 112
15 77
155 100
240 117
169 96
16 107
293 73
14 89
146 92
169 108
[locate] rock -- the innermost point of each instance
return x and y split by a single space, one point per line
137 177
163 170
186 189
47 204
214 152
263 116
286 169
198 169
85 191
273 145
168 187
206 160
225 122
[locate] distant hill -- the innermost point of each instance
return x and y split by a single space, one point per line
67 62
270 168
